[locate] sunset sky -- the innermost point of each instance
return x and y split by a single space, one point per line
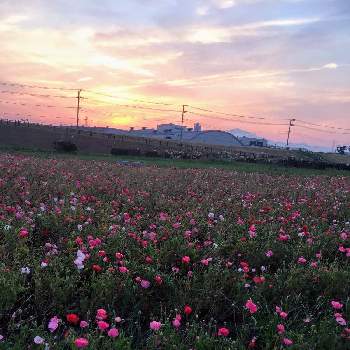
276 59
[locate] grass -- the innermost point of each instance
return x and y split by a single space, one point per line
184 164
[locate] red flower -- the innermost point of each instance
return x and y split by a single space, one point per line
97 268
223 332
72 319
158 279
187 310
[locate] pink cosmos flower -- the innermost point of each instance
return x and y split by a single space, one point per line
158 279
283 237
252 231
341 321
205 262
283 314
302 260
251 306
287 341
186 259
224 332
240 222
53 324
81 343
176 323
83 324
269 253
280 329
342 249
23 233
145 284
119 256
344 236
113 332
123 269
101 314
155 325
336 304
102 325
163 216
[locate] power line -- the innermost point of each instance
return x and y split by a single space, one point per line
34 105
322 126
228 114
320 130
31 94
237 120
35 86
37 116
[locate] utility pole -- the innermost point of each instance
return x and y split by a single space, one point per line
78 106
86 121
289 129
333 146
182 119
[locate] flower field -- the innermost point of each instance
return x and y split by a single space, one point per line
95 255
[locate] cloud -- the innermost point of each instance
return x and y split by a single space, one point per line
330 66
224 4
84 79
202 10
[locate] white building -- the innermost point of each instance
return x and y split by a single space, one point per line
192 135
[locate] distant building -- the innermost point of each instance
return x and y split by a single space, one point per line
176 132
197 127
253 141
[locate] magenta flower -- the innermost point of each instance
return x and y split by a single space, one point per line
176 323
186 259
113 332
336 304
287 341
83 324
341 321
280 329
224 332
302 260
53 324
145 284
101 314
269 253
102 325
251 306
81 343
155 325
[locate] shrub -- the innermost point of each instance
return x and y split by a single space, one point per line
65 146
